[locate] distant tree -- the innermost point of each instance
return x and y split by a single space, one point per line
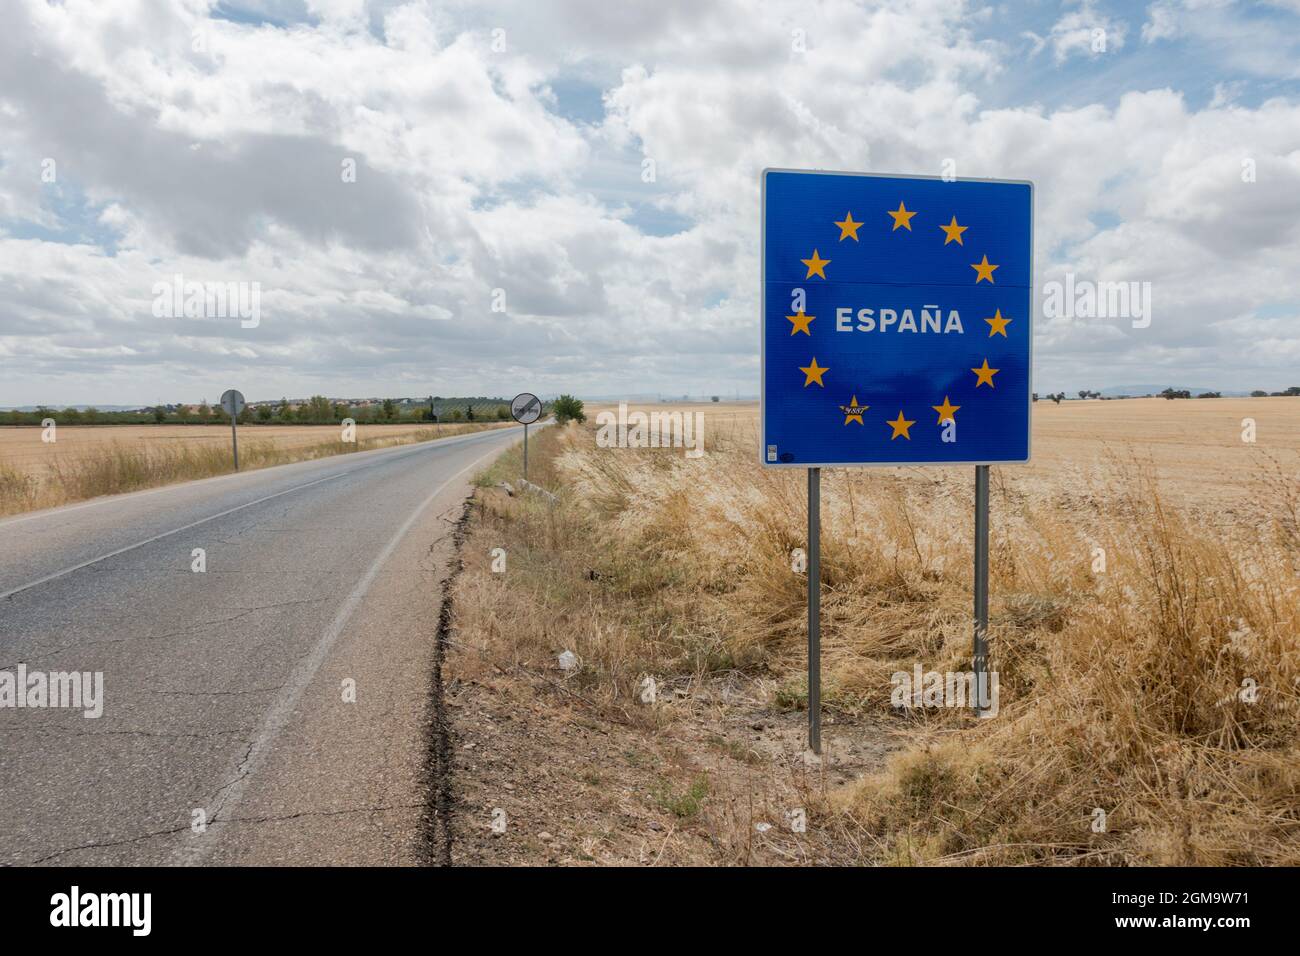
453 414
1259 393
1056 398
1209 395
317 410
567 408
205 411
159 414
390 409
1172 393
1293 390
469 412
264 413
715 399
503 413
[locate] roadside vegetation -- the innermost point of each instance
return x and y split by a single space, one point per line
567 409
1149 655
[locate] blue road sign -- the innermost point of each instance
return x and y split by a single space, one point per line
896 320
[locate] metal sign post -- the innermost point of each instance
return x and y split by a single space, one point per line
896 330
815 610
232 402
525 408
981 655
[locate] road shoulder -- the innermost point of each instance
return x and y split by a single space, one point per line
548 770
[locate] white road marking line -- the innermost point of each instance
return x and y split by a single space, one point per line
286 702
5 595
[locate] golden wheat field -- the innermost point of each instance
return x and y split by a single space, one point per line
21 448
1145 620
1195 445
85 461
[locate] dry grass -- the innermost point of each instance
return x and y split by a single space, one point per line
1121 690
86 462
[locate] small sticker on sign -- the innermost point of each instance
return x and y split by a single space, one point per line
771 453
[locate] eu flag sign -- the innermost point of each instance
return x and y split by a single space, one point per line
896 320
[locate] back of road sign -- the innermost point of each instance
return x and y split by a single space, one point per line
232 402
896 320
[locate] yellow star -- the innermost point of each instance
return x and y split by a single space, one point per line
983 271
799 322
848 228
998 325
945 411
984 376
853 411
954 231
900 427
901 216
813 374
815 265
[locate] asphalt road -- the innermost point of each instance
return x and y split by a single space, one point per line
225 736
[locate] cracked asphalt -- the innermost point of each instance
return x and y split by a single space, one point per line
224 690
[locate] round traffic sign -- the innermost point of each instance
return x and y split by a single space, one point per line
525 408
232 401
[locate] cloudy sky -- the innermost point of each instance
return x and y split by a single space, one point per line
500 233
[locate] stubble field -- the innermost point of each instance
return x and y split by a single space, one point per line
86 461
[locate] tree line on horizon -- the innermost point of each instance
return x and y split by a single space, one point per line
1168 393
317 410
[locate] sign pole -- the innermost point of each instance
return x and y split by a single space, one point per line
981 583
232 403
525 408
815 610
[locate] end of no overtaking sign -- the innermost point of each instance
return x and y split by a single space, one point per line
525 408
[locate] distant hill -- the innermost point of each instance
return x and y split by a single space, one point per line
1116 391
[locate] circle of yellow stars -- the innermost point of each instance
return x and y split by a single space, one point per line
902 219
